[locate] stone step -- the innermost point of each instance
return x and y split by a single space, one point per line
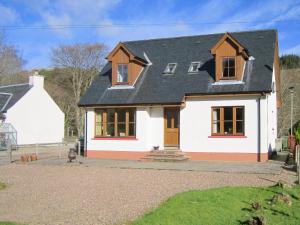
165 156
164 159
166 153
171 148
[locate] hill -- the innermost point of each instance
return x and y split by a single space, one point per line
289 77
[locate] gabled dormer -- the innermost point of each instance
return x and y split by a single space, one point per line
126 66
230 58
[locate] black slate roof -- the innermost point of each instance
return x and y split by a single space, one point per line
9 95
153 87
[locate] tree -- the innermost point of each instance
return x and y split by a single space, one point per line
10 60
80 64
290 61
59 88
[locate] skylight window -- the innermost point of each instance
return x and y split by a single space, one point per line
194 67
170 69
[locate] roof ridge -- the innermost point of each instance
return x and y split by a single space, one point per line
199 35
13 85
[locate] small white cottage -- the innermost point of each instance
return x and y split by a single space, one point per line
32 112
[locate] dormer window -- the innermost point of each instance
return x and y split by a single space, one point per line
228 67
230 58
122 73
170 69
194 67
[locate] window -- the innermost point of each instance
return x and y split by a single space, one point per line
170 68
115 122
228 67
194 67
228 120
122 73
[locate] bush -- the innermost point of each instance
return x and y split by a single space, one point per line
297 133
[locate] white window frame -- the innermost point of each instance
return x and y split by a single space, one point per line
191 67
120 75
167 69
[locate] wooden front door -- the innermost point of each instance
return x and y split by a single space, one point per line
171 117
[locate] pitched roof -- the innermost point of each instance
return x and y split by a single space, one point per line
11 94
153 87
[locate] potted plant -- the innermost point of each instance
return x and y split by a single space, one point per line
25 158
33 157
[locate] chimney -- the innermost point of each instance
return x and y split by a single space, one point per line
36 80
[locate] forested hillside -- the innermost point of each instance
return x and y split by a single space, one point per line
289 78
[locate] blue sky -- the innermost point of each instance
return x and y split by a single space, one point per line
175 18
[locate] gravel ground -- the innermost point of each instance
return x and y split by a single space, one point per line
79 195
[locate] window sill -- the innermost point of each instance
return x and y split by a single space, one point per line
228 78
227 136
115 138
122 83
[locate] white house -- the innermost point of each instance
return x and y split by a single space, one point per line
213 97
32 112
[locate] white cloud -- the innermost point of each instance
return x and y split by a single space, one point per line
54 20
7 15
70 12
255 17
293 50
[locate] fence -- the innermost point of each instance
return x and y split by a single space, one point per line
297 160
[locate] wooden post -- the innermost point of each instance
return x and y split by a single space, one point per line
60 148
78 147
9 150
36 149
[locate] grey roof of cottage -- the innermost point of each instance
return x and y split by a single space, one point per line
154 87
11 94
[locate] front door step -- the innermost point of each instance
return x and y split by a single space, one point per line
165 156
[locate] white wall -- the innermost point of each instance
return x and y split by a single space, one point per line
272 116
37 118
149 132
195 126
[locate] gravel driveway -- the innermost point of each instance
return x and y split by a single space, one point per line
79 195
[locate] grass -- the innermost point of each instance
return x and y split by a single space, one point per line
2 186
230 205
9 223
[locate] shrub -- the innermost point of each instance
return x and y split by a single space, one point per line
297 133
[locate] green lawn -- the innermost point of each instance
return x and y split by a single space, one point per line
2 186
231 205
9 223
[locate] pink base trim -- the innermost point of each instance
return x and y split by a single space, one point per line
204 156
230 156
116 154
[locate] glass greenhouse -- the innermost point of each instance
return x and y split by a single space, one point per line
7 133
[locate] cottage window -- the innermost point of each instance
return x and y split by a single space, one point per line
228 120
194 67
122 73
115 122
228 67
170 69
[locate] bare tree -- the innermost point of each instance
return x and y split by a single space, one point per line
10 60
81 63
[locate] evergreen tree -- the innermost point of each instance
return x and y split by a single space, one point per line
290 61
